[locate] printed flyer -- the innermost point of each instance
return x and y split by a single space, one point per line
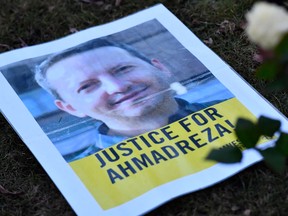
123 115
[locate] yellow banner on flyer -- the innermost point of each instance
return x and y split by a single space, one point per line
128 169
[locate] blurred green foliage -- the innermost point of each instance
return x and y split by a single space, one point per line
274 70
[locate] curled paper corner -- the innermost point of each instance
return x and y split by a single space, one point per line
178 88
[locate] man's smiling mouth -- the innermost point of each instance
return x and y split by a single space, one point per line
129 97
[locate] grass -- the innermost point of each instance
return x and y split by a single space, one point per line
27 189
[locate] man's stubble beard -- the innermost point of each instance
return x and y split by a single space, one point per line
161 107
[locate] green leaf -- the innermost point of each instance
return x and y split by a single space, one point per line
280 82
229 154
274 159
282 47
268 126
247 132
282 144
268 70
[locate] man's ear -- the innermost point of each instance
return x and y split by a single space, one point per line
68 108
156 63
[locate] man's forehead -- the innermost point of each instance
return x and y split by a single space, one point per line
107 50
110 54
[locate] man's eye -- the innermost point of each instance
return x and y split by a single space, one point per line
87 87
123 69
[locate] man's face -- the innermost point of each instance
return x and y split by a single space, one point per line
108 82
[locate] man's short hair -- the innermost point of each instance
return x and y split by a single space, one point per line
41 70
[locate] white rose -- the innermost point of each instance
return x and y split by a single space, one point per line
267 24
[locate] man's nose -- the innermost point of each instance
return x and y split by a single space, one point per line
113 85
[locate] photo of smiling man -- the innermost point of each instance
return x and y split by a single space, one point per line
92 94
107 83
115 84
